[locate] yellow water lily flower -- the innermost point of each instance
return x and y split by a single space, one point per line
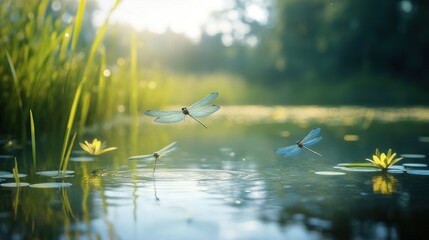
383 160
96 147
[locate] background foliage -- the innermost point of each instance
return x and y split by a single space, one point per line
307 52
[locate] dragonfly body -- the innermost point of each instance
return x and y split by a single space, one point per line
198 109
172 147
307 141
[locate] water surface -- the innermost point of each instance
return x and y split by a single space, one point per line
226 182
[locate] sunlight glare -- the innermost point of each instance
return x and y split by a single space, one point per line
184 16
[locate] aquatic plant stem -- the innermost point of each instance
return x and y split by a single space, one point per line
33 139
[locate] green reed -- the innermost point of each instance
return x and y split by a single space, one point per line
33 138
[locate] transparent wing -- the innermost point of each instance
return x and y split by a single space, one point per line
170 119
287 149
142 158
165 153
161 113
204 111
204 101
311 135
293 152
168 147
312 141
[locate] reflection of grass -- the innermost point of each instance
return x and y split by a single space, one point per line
16 174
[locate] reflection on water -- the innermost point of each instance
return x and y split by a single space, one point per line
384 184
227 182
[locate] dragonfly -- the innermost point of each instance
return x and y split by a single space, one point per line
307 141
172 147
198 109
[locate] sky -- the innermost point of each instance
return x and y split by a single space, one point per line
180 16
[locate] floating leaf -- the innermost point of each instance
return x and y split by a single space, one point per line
82 159
10 175
415 165
418 172
54 173
51 185
14 184
359 169
329 173
413 155
356 165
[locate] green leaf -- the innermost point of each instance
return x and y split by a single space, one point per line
357 164
33 138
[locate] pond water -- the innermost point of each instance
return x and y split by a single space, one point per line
226 182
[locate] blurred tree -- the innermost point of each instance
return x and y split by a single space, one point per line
347 37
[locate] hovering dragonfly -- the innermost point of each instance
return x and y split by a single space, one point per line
195 110
304 143
156 155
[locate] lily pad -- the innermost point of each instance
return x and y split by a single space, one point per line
365 165
82 159
6 157
394 171
418 172
10 175
54 173
358 169
413 155
329 173
415 165
396 167
51 185
4 172
14 184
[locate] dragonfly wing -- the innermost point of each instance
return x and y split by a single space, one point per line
287 149
311 135
167 152
171 118
142 158
204 111
293 152
312 141
161 113
204 101
169 146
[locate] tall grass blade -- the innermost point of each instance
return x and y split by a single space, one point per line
134 88
67 157
78 23
41 10
33 138
70 123
15 80
101 83
99 38
84 110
